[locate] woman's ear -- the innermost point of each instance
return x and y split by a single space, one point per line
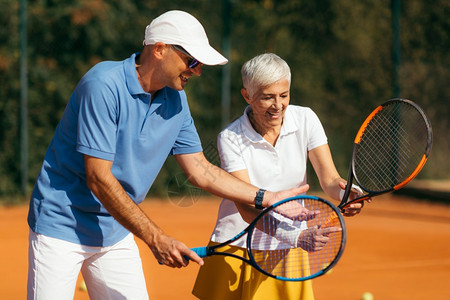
245 94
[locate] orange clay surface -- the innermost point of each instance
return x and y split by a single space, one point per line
397 248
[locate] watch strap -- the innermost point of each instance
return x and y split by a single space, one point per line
259 198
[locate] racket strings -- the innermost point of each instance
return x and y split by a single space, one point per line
388 174
391 147
276 246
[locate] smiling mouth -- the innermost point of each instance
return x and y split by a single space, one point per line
274 114
184 78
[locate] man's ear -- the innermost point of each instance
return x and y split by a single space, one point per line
159 50
245 94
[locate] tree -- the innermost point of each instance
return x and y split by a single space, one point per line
339 53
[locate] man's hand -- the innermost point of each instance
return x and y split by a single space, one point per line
173 253
274 197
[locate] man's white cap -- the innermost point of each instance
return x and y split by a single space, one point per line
177 27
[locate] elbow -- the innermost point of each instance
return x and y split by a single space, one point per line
197 182
92 182
98 172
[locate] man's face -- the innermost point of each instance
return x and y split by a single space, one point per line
178 70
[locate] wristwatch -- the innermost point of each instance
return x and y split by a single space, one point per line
259 199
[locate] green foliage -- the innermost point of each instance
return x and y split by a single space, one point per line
340 53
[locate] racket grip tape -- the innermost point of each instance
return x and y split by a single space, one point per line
201 251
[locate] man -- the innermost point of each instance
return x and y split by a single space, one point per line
122 121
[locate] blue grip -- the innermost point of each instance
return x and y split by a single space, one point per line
201 251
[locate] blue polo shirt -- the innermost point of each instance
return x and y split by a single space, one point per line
108 116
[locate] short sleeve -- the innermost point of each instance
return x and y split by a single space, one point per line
316 133
97 121
230 152
188 140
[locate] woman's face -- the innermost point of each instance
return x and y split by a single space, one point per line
269 104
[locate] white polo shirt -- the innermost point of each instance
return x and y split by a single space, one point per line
272 168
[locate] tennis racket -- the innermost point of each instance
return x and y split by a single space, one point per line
390 149
288 240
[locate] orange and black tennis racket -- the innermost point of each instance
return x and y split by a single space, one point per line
390 149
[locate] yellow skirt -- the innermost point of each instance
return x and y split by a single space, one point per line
228 278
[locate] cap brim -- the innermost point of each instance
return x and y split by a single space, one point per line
206 55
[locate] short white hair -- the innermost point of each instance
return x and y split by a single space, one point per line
264 70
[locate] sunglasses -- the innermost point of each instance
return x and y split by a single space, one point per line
192 62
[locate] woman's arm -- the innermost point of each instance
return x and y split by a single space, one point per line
325 169
330 180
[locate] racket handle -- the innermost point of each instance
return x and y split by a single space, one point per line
201 251
344 194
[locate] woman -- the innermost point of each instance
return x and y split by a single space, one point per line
268 146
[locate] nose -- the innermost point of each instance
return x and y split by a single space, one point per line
278 103
197 70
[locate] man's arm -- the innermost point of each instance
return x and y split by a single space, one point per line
114 198
215 180
247 212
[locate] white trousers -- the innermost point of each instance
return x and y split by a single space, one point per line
110 273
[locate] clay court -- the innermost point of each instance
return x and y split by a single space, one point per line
397 248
